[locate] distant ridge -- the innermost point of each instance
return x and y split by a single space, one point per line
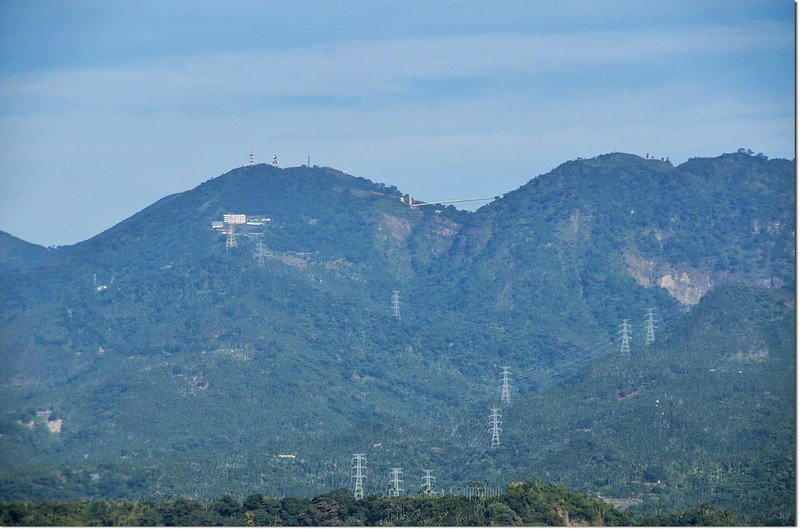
19 254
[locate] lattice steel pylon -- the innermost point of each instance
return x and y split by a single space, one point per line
428 484
505 386
625 331
230 242
495 427
260 253
359 468
396 483
650 322
396 304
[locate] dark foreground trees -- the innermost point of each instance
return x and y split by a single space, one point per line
528 503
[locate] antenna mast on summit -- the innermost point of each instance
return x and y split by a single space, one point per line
252 160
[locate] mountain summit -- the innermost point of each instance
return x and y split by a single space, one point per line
256 331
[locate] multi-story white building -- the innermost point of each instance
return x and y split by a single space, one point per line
234 218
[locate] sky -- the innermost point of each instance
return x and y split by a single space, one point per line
105 107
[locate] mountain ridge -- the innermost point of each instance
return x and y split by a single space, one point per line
299 352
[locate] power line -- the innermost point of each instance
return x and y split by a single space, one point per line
556 363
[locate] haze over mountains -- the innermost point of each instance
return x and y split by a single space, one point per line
153 360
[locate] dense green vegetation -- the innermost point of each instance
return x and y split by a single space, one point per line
522 504
16 253
194 369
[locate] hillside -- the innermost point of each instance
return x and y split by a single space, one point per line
18 254
153 360
704 415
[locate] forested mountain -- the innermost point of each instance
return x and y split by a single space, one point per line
152 359
16 253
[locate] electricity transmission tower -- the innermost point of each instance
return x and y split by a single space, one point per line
230 242
495 429
396 304
651 327
396 484
505 386
625 331
360 461
428 484
260 253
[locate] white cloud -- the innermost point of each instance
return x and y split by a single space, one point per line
362 68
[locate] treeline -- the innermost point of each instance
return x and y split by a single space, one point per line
527 503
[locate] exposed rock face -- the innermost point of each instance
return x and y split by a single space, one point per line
55 426
687 286
684 283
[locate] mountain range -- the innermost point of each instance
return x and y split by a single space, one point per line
159 358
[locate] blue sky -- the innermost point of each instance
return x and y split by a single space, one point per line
107 106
